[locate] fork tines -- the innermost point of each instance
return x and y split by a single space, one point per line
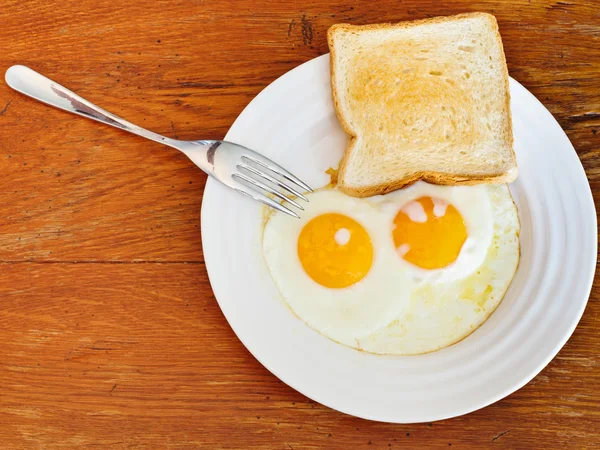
254 172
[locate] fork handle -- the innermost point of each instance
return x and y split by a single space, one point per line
29 82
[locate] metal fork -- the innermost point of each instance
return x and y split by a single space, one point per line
233 165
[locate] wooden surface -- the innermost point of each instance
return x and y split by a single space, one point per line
110 336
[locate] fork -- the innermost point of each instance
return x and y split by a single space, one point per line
234 165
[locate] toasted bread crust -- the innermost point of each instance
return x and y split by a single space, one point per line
432 178
429 177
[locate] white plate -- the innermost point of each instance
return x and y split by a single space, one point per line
293 122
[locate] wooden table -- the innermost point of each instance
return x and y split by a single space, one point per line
110 336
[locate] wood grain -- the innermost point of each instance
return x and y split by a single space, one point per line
110 336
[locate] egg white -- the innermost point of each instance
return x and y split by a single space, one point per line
398 308
347 314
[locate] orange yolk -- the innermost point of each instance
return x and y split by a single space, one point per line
335 250
429 233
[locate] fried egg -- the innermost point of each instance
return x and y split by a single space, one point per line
404 273
444 312
335 267
440 232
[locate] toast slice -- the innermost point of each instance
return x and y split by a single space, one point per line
424 100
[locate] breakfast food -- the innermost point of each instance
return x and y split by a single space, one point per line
422 262
404 273
425 100
444 311
336 267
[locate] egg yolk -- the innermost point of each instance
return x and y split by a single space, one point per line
335 250
429 233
